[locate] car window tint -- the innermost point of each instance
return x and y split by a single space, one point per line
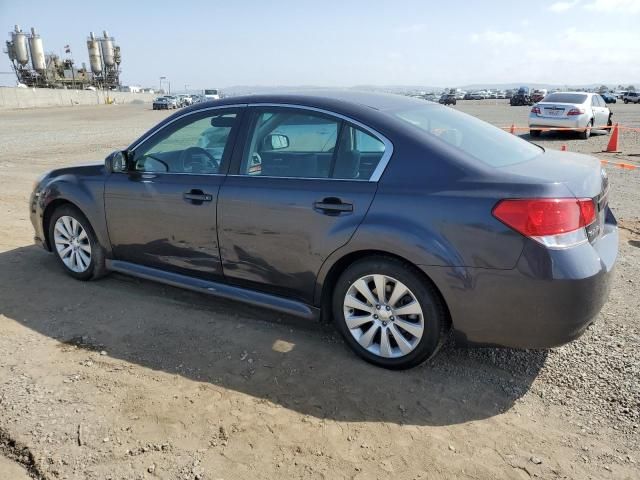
566 98
196 147
476 138
288 143
359 153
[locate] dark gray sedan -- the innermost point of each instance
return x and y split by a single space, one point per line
399 218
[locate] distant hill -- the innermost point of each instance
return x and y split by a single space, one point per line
250 89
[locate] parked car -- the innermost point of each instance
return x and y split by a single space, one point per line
581 111
608 98
400 219
478 96
521 97
172 101
448 99
631 97
538 95
161 103
212 94
184 100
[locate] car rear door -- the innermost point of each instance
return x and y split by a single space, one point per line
300 184
162 212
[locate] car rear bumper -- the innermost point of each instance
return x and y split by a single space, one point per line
579 121
548 299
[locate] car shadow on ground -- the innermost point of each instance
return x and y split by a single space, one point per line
300 366
558 136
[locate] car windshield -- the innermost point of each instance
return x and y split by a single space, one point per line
489 144
566 98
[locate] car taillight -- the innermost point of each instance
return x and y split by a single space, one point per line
535 110
576 111
554 222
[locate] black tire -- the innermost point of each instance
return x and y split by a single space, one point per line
626 101
433 310
96 267
535 133
586 133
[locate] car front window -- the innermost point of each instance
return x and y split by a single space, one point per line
195 146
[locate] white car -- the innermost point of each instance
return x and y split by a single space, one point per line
579 111
212 94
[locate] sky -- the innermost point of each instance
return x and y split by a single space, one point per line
213 43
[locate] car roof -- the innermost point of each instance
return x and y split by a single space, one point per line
325 99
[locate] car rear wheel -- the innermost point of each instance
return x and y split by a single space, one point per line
75 245
388 313
586 133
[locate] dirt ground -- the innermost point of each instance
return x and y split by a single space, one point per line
127 379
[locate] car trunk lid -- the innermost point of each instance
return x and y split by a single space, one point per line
555 110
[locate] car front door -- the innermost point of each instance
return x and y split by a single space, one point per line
161 213
297 190
600 111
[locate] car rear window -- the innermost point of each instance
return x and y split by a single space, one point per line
481 140
565 98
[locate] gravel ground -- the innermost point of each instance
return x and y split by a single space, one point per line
124 378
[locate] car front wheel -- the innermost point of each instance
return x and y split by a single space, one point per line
75 245
388 313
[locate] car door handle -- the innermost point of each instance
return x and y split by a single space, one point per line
332 206
197 196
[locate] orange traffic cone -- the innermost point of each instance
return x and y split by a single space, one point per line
612 147
563 147
512 130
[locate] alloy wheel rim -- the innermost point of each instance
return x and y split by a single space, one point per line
383 316
72 244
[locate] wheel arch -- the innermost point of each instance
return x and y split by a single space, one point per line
340 265
48 213
49 210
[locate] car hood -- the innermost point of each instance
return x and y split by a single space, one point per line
71 173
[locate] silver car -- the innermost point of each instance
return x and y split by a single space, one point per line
579 111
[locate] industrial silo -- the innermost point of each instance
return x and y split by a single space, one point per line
20 49
37 52
107 49
95 58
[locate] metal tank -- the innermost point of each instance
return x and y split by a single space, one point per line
95 58
20 49
107 49
10 52
37 52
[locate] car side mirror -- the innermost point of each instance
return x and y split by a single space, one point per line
116 162
276 141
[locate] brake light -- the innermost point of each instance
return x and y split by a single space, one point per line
535 110
555 222
576 111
